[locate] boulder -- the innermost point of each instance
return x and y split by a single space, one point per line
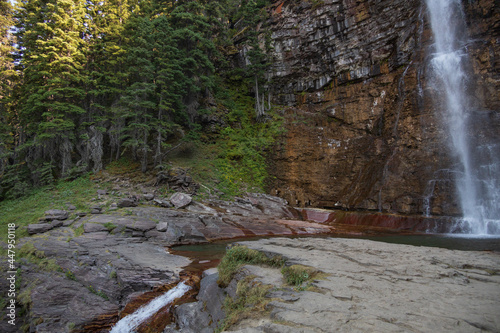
180 200
56 214
38 228
178 180
94 227
163 203
127 202
67 223
200 208
206 314
96 210
162 226
56 224
71 207
148 196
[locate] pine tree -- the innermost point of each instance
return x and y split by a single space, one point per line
105 74
171 84
139 97
191 36
50 35
252 14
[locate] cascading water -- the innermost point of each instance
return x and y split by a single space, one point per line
475 146
129 323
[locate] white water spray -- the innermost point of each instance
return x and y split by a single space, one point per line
478 168
129 323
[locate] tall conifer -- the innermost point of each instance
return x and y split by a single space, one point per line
50 35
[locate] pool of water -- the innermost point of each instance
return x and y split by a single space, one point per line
206 256
452 242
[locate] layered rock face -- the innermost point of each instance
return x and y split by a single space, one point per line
362 127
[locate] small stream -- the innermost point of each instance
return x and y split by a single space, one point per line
131 322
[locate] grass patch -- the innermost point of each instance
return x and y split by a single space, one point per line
110 226
79 231
24 297
34 256
240 255
98 292
126 167
28 209
249 302
230 160
296 275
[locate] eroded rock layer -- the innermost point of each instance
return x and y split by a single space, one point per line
362 127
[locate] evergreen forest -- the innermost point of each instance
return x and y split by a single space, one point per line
87 83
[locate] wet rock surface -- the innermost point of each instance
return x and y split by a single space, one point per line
379 287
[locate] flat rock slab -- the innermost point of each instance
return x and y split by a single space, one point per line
379 287
132 223
38 228
94 227
56 214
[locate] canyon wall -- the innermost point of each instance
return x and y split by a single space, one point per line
362 130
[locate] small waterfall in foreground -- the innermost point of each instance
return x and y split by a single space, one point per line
129 323
477 169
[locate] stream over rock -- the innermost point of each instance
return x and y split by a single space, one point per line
83 273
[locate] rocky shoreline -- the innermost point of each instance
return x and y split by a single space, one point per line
78 269
365 286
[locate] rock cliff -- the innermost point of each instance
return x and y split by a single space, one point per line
362 128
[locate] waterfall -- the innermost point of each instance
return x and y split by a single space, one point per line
477 168
129 323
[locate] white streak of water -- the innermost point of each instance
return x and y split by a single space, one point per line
478 180
129 323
